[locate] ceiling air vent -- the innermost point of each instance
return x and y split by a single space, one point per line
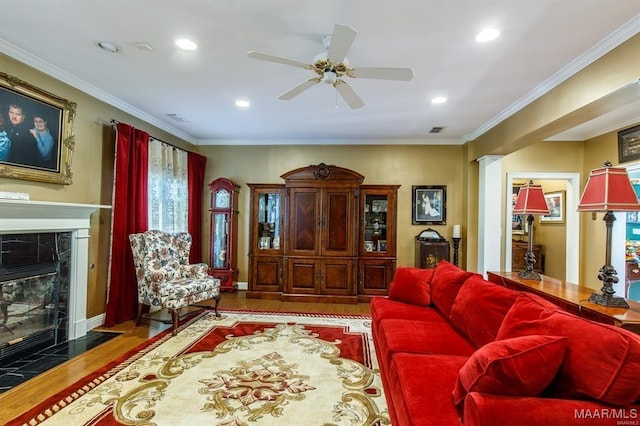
436 129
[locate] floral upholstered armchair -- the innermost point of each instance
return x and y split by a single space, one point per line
165 277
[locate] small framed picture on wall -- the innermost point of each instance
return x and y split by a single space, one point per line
429 205
555 202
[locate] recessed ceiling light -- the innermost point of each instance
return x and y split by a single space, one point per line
487 34
186 44
108 46
439 100
242 103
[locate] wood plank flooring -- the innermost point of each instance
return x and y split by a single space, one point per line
18 400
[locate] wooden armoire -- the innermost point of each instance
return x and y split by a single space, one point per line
312 238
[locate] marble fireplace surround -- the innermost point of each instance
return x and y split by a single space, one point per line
18 216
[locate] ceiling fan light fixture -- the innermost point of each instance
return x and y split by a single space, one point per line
329 77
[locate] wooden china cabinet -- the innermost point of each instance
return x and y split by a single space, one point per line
223 251
308 237
266 242
377 263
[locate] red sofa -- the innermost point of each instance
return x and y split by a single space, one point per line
454 349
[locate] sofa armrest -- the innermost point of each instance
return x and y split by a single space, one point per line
492 410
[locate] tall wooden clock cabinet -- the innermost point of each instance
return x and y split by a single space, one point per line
223 251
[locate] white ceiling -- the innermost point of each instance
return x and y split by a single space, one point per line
542 43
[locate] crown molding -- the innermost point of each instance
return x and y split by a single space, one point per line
616 38
343 142
20 55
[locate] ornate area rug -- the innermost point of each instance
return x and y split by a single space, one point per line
245 368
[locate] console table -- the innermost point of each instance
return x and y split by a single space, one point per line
573 298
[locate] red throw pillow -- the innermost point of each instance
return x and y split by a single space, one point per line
411 285
447 280
602 361
522 366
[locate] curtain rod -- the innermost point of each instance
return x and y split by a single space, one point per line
114 122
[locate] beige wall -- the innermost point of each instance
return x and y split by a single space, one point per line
401 165
92 167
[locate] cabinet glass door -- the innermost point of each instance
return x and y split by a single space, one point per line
269 210
220 240
375 223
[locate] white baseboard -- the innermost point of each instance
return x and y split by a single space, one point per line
96 321
243 285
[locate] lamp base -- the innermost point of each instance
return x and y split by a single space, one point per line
608 300
529 275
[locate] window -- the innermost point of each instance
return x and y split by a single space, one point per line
168 194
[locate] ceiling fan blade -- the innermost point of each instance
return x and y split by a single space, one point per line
348 94
341 40
401 74
299 89
278 59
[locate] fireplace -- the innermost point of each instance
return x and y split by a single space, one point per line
43 272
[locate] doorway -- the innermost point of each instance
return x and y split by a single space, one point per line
572 218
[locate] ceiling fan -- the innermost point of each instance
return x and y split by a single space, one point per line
331 66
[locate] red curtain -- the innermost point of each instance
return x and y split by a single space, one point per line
195 183
129 215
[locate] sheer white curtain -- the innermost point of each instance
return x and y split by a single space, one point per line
168 194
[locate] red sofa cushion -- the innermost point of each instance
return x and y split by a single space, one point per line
421 389
522 366
445 284
482 409
601 361
411 285
479 308
399 335
383 308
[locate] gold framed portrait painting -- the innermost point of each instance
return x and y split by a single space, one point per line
36 133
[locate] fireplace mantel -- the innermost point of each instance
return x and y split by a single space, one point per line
18 216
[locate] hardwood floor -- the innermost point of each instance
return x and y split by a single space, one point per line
18 400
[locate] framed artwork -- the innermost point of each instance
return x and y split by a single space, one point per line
36 133
429 205
629 144
555 201
518 221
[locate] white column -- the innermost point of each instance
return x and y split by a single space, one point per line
489 213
